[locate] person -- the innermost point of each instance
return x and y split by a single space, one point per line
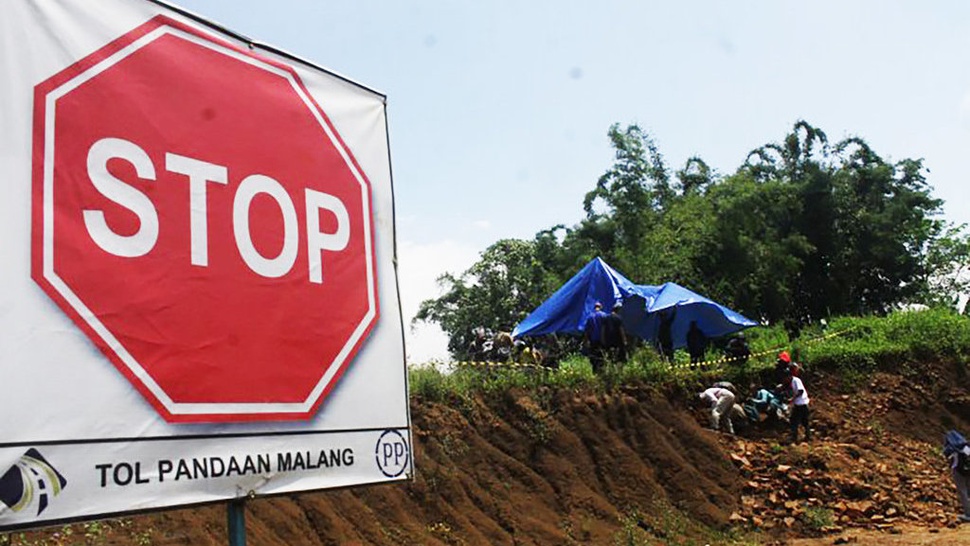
768 402
722 404
738 417
957 451
696 343
593 333
502 345
737 350
737 413
727 385
782 364
476 347
665 338
550 350
530 355
614 337
799 407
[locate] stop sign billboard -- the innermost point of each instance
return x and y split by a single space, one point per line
211 188
198 289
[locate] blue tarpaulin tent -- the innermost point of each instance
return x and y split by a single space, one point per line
643 313
566 311
568 308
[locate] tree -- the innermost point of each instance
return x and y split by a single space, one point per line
627 200
758 254
948 257
495 293
695 177
800 231
856 228
884 226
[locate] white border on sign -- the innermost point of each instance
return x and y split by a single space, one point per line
114 345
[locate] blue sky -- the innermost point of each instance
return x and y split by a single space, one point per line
498 110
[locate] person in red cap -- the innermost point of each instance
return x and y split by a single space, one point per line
782 366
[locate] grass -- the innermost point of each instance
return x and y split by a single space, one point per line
89 533
895 341
854 346
665 524
818 518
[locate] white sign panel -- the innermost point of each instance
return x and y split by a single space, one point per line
198 297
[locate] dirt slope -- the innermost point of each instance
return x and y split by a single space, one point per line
633 466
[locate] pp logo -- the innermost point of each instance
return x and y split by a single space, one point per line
392 453
31 478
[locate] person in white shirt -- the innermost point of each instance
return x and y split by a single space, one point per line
722 401
799 406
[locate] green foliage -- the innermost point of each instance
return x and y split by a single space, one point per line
628 200
757 252
665 524
495 293
854 346
818 518
631 533
947 258
819 230
574 371
427 383
901 338
764 338
443 384
109 531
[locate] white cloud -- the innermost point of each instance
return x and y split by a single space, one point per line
482 224
419 265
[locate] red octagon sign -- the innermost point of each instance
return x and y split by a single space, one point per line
198 216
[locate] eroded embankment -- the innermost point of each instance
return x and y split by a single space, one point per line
521 468
628 466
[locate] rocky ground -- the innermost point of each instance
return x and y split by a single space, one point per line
874 464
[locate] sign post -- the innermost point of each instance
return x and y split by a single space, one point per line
198 300
237 522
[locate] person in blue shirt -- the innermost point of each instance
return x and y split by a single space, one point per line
593 334
767 402
957 452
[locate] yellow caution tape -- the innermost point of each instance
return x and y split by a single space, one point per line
672 365
487 364
722 360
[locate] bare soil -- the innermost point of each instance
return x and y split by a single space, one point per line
630 466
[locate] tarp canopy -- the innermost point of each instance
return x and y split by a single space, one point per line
566 311
644 306
643 313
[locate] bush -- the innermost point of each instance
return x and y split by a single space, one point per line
905 337
819 518
428 383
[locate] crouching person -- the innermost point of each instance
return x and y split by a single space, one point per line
721 401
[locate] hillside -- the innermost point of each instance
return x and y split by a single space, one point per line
629 466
